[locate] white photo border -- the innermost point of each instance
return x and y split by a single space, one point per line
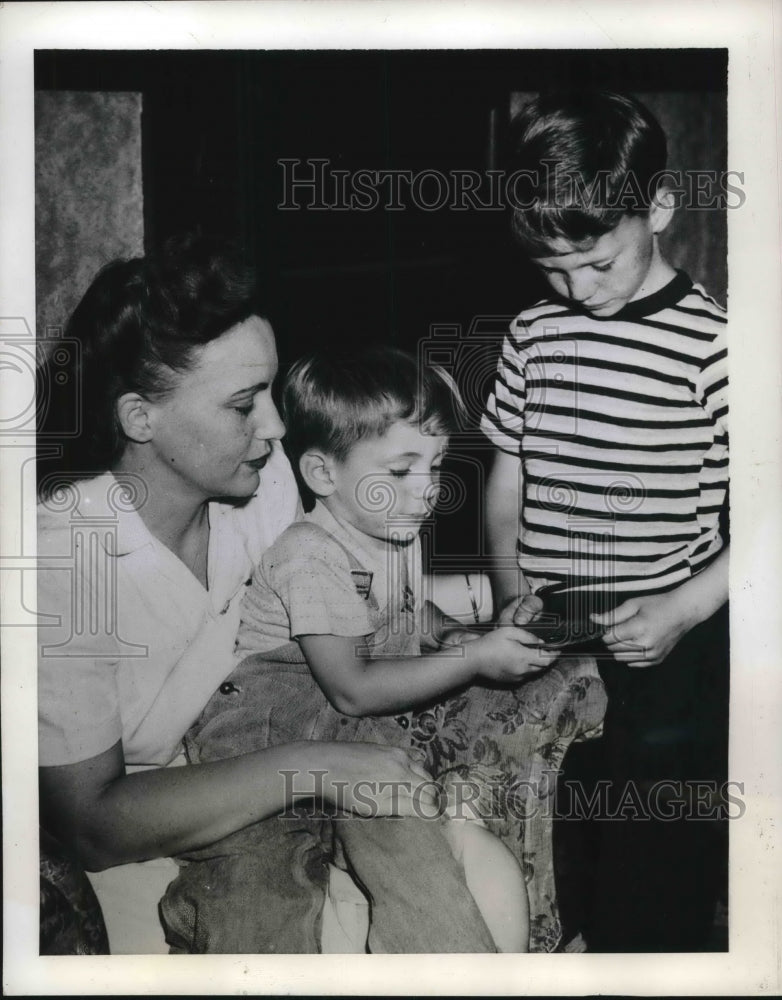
746 28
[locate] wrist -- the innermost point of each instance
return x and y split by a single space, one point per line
457 636
687 606
473 659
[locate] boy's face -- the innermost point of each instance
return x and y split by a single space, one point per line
386 486
604 274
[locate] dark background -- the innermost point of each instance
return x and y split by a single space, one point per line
215 124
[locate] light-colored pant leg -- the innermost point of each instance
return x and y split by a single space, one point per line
129 895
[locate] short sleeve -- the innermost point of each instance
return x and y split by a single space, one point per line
503 418
78 697
713 385
311 575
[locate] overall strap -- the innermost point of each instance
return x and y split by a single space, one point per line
362 578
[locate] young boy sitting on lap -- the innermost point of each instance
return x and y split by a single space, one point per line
333 638
609 415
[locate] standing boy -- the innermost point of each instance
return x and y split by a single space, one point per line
610 419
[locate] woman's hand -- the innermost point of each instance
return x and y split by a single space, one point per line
374 780
645 629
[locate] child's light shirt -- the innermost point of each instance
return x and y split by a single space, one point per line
324 577
321 577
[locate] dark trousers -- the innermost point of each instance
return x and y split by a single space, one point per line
645 825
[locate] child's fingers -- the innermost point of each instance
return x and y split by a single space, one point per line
529 607
621 613
527 638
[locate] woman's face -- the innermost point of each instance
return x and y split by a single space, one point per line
214 430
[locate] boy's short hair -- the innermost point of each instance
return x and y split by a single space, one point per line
588 158
330 401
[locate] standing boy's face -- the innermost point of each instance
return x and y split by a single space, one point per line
604 274
386 486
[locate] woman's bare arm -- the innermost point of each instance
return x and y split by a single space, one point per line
108 817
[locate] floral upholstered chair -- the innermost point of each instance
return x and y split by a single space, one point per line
511 744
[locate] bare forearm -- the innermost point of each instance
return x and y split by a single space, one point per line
503 504
704 594
382 687
166 811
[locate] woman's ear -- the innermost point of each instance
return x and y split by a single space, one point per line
133 415
662 209
317 471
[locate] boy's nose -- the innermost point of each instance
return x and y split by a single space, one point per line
581 287
426 490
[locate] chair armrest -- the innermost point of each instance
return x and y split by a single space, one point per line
71 922
509 743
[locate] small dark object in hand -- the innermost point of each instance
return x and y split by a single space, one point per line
565 618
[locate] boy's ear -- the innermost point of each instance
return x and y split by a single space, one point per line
134 417
662 209
317 471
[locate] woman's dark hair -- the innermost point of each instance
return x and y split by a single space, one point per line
139 324
585 159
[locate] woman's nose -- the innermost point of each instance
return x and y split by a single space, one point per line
269 426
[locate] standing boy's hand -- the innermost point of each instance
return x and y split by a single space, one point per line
645 629
520 611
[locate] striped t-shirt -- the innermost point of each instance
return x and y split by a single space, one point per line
621 424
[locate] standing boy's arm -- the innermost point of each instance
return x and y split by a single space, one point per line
503 500
645 629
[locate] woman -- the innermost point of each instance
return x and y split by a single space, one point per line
148 531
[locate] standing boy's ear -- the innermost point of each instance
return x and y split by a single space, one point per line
662 209
317 471
133 415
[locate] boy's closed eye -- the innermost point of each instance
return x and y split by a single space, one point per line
401 473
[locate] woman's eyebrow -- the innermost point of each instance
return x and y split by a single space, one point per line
251 389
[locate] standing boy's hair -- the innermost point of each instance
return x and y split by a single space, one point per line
587 158
331 401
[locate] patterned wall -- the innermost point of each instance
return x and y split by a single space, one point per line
88 194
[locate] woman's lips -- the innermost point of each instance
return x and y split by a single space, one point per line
258 463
